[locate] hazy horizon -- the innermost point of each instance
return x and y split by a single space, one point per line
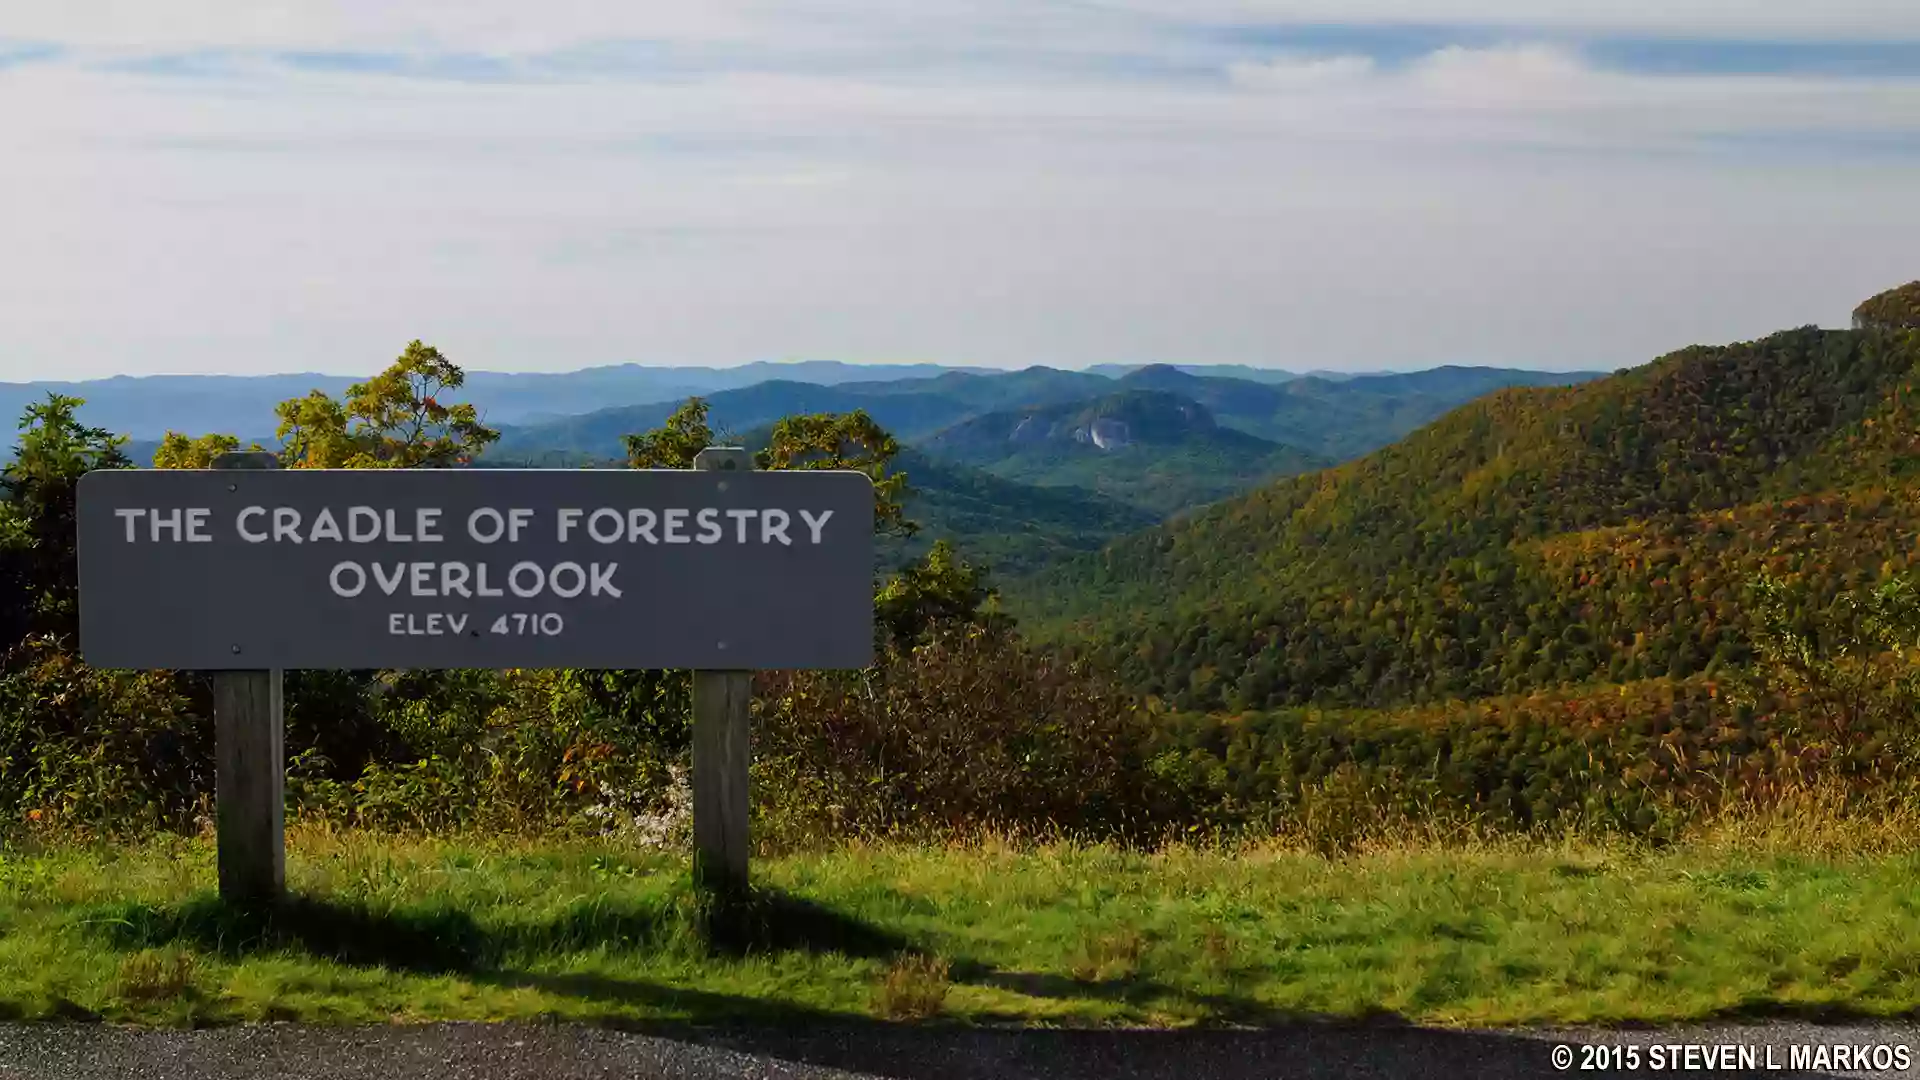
349 374
211 187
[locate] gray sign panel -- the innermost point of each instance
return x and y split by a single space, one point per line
475 568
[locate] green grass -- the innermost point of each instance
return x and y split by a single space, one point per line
394 929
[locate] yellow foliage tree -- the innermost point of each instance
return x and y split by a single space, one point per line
177 451
394 420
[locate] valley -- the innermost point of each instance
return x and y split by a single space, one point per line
1158 622
1019 468
1010 466
1532 538
972 540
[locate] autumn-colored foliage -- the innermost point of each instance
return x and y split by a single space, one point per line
1606 606
412 749
966 729
1531 539
394 420
1895 309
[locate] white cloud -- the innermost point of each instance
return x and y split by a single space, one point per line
1827 20
503 26
1537 94
269 219
483 25
1523 76
1300 72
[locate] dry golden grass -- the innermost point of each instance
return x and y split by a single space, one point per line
152 975
914 988
1110 956
1815 820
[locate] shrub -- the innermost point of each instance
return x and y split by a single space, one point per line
517 749
111 751
967 730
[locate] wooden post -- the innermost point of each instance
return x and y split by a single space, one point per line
722 753
250 763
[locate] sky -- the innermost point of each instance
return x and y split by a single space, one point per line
190 186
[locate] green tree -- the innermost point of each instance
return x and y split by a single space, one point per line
674 444
850 441
177 451
342 722
38 553
394 420
940 589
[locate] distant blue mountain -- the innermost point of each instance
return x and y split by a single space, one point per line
147 407
1020 467
1218 371
1235 434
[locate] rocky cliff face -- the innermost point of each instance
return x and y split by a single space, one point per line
1104 432
1107 424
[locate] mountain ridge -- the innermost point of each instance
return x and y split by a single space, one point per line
1150 448
1331 420
147 406
1420 571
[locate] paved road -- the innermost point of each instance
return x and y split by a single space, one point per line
517 1052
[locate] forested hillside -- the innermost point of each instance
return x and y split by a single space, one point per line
1008 528
1198 436
1336 419
1532 538
1594 566
911 408
1675 597
598 433
1340 418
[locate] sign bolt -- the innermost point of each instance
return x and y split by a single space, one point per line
236 650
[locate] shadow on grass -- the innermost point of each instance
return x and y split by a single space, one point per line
443 939
1219 1009
1231 1011
432 939
674 1009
